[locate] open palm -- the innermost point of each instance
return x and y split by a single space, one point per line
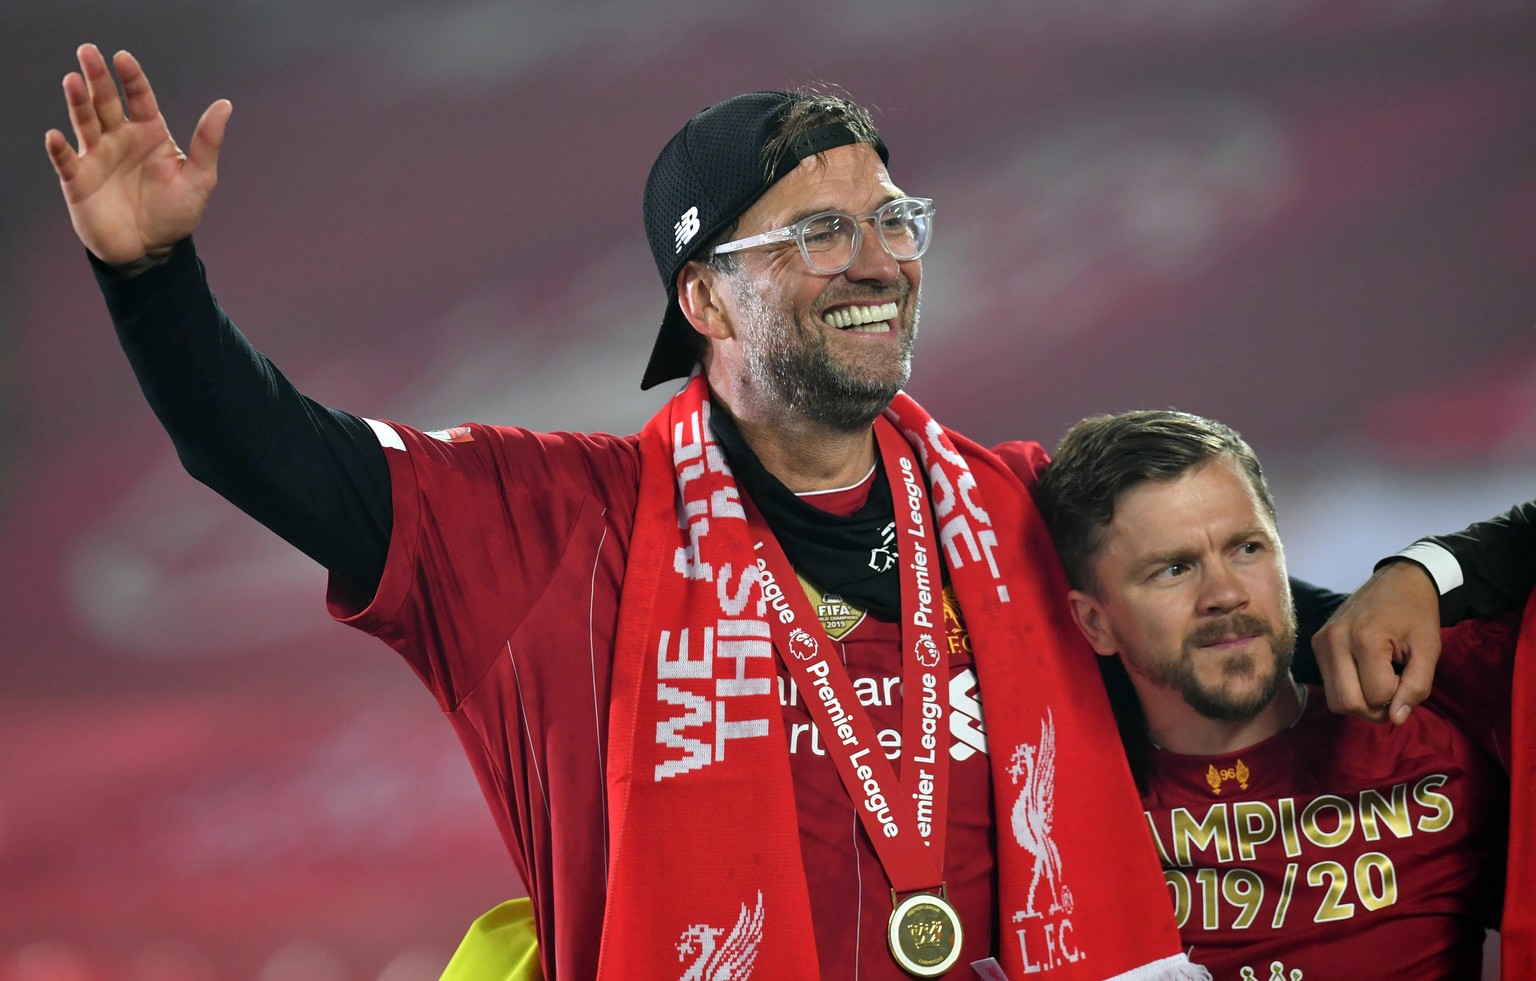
131 191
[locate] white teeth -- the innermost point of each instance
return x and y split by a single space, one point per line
846 317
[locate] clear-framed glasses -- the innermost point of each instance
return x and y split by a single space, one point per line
830 241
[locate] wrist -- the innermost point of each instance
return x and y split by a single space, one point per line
1411 582
152 258
1439 565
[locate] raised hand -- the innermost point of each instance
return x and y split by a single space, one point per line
132 193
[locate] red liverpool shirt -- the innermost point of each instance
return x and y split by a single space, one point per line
502 591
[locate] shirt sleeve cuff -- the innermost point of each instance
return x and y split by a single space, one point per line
1437 561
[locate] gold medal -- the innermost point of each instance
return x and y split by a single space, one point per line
925 935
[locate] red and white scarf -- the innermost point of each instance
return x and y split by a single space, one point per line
705 842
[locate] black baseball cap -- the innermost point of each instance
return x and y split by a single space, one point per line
705 178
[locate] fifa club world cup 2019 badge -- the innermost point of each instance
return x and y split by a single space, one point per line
838 617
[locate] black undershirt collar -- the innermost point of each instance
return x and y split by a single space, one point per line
853 557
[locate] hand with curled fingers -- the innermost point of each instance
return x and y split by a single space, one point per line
132 193
1391 624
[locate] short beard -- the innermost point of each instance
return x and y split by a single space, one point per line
1216 702
797 365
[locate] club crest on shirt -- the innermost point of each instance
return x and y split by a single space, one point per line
1219 778
954 625
836 614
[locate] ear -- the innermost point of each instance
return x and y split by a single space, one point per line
1091 619
701 292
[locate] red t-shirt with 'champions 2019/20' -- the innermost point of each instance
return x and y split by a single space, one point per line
1342 848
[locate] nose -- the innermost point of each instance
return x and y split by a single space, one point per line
1222 589
873 263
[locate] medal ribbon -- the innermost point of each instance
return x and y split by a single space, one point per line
905 818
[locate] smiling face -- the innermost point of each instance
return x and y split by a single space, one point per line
1190 590
832 349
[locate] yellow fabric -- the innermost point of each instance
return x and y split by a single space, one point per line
501 945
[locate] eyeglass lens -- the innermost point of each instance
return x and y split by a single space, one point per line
829 241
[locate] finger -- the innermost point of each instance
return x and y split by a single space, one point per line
137 92
1374 655
65 161
1418 677
208 138
82 115
1341 684
88 55
98 82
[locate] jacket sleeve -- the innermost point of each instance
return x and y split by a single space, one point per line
1486 568
315 476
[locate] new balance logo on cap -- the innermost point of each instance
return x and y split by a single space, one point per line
686 228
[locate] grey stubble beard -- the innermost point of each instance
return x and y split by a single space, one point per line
797 365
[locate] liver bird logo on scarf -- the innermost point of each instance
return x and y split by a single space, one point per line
1033 768
731 960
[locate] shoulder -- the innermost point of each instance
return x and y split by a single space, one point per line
510 463
1496 635
1476 665
1022 459
470 443
1025 458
